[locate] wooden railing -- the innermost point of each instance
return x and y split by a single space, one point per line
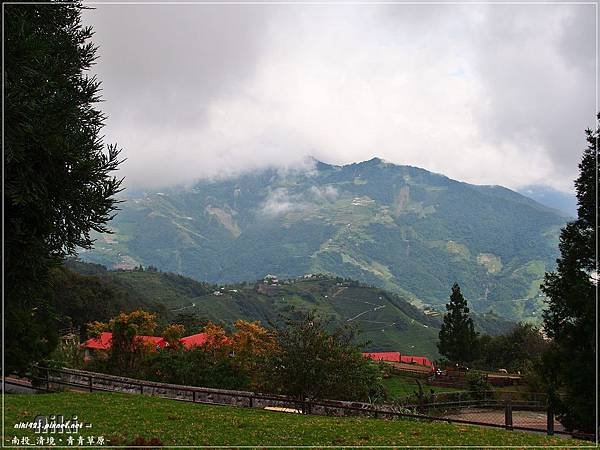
49 379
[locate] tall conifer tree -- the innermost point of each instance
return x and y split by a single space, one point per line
570 318
458 339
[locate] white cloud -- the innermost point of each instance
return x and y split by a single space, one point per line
279 202
496 94
325 193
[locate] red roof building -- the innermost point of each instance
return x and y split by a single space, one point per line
383 356
195 340
399 358
101 342
104 340
199 339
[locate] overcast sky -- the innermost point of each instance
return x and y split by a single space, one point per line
488 94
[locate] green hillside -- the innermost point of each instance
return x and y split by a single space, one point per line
401 228
387 321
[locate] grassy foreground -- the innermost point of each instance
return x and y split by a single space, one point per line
123 418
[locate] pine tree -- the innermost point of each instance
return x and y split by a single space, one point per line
458 339
570 317
58 183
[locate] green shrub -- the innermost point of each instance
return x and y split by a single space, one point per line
478 385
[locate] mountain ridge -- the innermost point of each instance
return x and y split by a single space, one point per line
402 228
387 321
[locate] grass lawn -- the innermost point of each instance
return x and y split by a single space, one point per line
123 418
399 386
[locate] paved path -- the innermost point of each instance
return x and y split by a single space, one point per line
18 386
530 419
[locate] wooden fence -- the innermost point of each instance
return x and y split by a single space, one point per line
49 379
520 399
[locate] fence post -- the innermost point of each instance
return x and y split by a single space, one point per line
251 402
90 386
47 379
194 396
508 418
550 421
141 389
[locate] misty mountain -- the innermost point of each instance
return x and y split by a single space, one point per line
566 203
401 228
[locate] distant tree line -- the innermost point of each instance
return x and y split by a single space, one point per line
516 350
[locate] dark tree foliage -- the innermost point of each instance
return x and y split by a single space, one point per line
58 183
315 363
128 349
79 299
514 351
195 367
570 317
191 321
458 339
